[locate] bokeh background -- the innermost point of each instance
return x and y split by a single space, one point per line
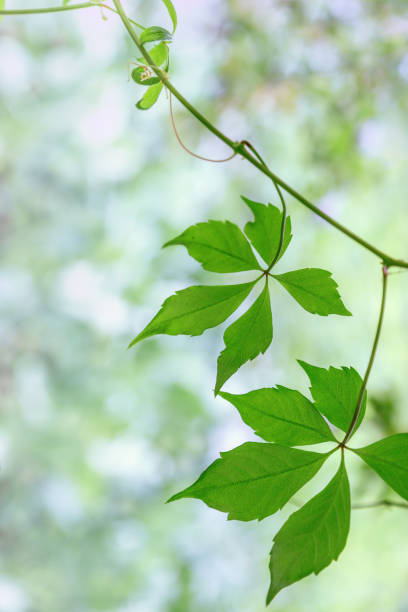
95 438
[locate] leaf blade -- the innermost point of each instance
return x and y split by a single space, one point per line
264 232
219 247
154 33
389 458
150 97
254 480
281 415
315 290
195 309
295 554
336 392
172 13
159 54
246 338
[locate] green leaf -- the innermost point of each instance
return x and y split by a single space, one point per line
264 232
312 537
389 458
159 54
335 392
172 12
195 309
154 33
2 7
254 480
315 290
250 335
219 246
139 76
281 415
150 97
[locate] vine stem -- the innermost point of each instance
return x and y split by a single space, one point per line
68 7
381 502
283 203
357 411
51 9
236 146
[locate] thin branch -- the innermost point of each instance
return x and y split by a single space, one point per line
357 411
51 9
381 502
283 203
68 7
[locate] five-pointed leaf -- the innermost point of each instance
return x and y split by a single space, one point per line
315 290
312 537
389 458
281 415
336 392
250 335
195 309
254 480
265 231
219 246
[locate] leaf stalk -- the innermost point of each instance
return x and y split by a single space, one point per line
357 411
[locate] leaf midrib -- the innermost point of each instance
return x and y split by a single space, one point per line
300 288
279 418
184 314
206 246
255 479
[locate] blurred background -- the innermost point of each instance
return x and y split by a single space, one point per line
95 438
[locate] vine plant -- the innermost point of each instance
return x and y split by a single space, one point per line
257 479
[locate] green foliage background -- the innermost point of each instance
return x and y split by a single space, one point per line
94 438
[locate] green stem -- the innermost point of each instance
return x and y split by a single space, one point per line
283 203
52 9
69 7
282 229
239 147
381 502
357 411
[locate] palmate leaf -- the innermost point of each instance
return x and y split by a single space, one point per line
315 290
254 480
336 392
312 537
389 458
219 246
246 338
281 415
264 232
195 309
